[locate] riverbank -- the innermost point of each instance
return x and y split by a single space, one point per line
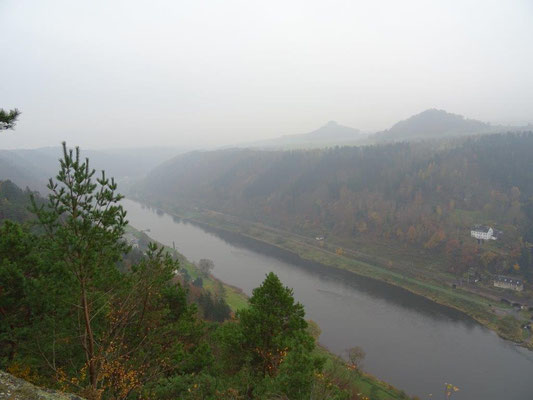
234 296
495 316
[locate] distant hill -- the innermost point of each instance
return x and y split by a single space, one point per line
22 171
435 123
331 131
329 134
33 167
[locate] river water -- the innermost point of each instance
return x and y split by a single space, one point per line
410 342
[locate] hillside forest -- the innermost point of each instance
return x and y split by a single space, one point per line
423 197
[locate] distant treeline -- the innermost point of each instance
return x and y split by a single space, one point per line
426 194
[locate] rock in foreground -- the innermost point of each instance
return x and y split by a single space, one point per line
13 388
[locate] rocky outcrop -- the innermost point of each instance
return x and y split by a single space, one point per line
13 388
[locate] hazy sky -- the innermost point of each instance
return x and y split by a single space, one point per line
129 73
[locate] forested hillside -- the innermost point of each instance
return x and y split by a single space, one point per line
423 196
20 171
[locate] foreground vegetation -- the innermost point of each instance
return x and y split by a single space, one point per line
82 312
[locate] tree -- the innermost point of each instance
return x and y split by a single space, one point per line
214 308
8 118
206 266
84 224
19 270
436 239
270 323
356 355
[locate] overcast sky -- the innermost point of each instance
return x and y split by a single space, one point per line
132 73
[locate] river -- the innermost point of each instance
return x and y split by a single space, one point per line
410 342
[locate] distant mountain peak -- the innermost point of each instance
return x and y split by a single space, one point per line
434 123
332 130
437 113
330 134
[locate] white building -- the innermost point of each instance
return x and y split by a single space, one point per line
482 233
506 282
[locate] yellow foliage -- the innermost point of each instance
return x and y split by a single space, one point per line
436 239
23 372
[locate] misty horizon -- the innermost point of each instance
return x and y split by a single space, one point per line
114 75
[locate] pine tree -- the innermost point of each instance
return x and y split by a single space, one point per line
8 118
84 224
270 323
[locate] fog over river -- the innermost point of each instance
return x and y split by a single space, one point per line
410 342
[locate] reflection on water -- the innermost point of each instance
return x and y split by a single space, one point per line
410 342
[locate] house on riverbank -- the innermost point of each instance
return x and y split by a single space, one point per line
506 282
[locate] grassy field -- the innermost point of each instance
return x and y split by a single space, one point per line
235 297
